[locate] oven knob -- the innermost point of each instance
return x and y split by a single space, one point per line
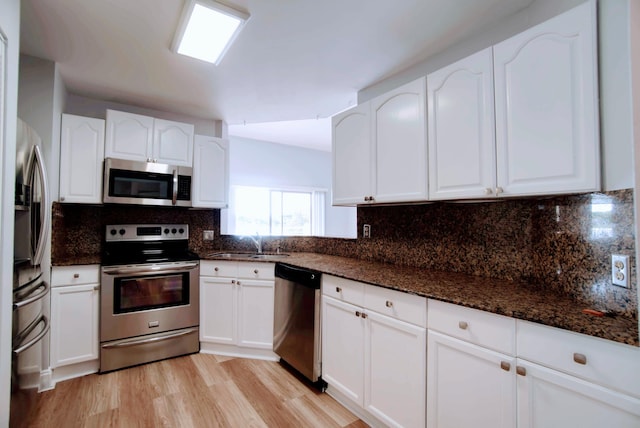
173 230
166 231
112 232
121 231
181 230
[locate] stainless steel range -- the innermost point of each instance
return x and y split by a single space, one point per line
149 298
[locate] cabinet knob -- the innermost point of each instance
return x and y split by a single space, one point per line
76 275
233 281
521 371
505 366
366 198
255 271
216 269
61 198
96 288
389 304
338 290
358 313
499 190
148 159
363 315
238 283
463 325
580 358
488 191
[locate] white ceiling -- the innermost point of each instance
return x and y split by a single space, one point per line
295 60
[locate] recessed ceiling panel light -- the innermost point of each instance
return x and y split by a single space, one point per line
207 29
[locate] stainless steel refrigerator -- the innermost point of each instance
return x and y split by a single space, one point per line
30 324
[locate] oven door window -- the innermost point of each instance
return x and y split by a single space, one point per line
136 184
150 292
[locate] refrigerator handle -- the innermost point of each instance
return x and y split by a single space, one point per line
21 347
45 212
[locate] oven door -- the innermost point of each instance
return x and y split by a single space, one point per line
150 298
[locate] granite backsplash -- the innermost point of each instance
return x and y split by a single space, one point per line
563 243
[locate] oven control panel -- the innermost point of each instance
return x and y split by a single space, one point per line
146 232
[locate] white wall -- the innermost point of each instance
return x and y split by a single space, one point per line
10 28
614 68
261 163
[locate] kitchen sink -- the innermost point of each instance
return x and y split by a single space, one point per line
244 256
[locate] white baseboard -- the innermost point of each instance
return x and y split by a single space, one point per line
46 380
354 408
74 370
238 351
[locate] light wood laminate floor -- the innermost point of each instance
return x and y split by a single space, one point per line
197 390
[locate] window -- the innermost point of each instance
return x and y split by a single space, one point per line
276 212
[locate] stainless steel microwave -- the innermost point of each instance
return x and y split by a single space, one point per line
146 183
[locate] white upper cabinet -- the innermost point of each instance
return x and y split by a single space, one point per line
143 138
172 142
547 107
461 129
400 141
81 156
129 136
351 148
210 172
379 149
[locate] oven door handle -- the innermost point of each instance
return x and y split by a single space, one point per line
135 342
148 269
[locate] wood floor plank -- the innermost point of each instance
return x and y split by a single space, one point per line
262 398
197 391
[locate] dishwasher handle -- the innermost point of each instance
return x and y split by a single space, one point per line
305 277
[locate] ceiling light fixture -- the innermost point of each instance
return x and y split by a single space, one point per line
207 29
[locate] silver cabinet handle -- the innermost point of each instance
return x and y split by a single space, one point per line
505 366
580 358
463 325
521 371
389 304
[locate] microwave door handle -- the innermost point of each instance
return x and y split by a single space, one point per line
174 199
45 208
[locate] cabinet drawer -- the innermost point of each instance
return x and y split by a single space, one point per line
218 268
610 364
75 275
256 270
396 304
489 330
343 289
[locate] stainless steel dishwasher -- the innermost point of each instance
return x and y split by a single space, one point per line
296 327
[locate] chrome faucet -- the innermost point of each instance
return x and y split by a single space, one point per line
257 240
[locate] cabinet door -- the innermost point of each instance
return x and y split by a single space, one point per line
172 142
547 107
399 137
210 172
395 371
468 386
351 147
461 129
255 313
343 348
549 399
217 310
74 324
81 156
129 136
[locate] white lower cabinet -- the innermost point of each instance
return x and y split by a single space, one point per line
75 307
236 308
469 386
372 358
489 370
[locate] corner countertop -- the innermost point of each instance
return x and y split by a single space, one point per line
515 299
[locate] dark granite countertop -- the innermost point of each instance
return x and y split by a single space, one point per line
515 299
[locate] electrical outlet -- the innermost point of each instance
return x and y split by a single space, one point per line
366 231
207 235
620 270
